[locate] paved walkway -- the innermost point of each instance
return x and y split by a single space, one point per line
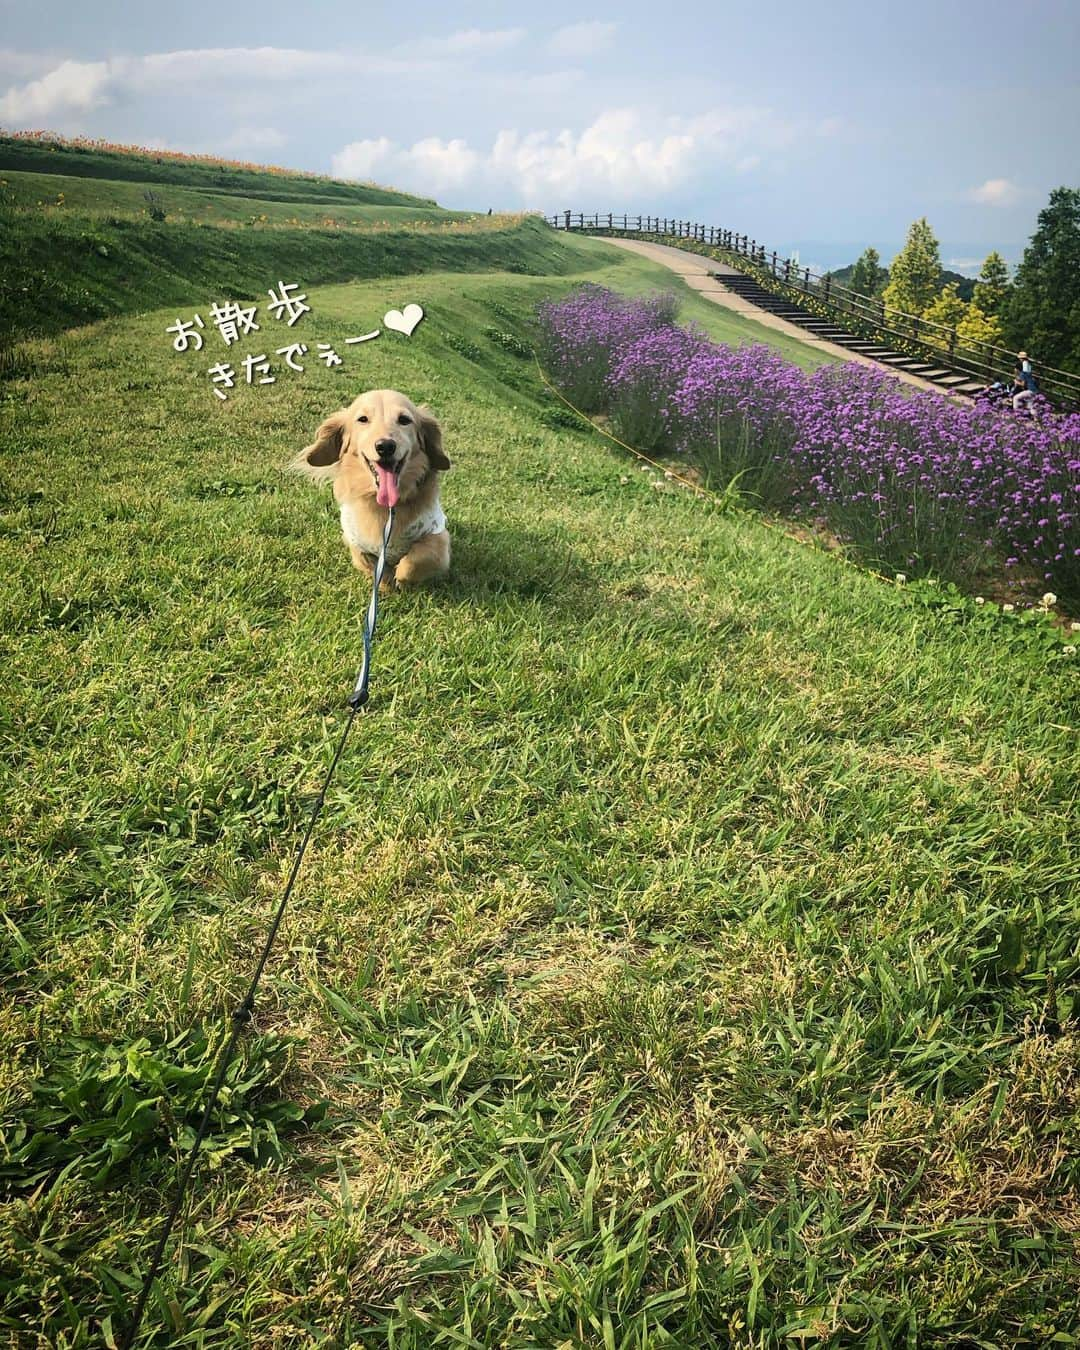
695 270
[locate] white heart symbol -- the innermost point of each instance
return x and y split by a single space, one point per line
403 321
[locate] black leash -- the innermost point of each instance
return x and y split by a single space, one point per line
357 699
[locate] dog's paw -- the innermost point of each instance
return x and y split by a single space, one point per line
406 575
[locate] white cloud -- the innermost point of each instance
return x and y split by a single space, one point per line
79 87
610 155
624 153
996 192
74 86
439 164
362 159
582 39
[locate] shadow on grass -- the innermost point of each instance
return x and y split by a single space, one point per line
497 562
501 568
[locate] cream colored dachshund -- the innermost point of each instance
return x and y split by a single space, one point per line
383 451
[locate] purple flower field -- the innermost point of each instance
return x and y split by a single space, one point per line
907 478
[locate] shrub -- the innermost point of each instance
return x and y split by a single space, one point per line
580 335
641 384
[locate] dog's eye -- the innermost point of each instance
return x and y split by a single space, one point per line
363 417
404 420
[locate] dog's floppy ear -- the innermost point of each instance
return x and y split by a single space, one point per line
320 458
431 439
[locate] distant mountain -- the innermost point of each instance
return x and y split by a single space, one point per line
965 285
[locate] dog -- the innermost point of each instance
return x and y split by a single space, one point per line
383 451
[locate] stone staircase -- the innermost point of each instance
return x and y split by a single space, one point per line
826 329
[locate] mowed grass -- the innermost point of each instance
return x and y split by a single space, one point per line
88 160
685 955
60 268
97 196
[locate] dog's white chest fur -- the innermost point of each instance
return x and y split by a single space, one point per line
355 530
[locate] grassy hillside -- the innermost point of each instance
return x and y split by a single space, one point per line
86 232
63 269
203 206
58 156
687 953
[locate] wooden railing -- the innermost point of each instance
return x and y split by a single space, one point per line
867 316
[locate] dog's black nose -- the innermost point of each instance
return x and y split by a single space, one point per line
386 449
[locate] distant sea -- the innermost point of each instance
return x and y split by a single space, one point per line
965 258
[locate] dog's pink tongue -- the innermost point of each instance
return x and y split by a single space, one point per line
387 493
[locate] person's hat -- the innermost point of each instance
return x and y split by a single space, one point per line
1022 355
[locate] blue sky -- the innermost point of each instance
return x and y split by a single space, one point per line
820 129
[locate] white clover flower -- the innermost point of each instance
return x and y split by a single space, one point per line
1049 599
1074 627
668 474
980 600
1007 609
624 479
1068 651
901 577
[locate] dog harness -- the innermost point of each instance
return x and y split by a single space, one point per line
431 521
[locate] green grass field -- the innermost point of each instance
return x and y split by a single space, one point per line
99 197
686 955
153 168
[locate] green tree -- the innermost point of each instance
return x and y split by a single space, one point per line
978 326
992 287
915 274
1043 313
868 275
948 308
